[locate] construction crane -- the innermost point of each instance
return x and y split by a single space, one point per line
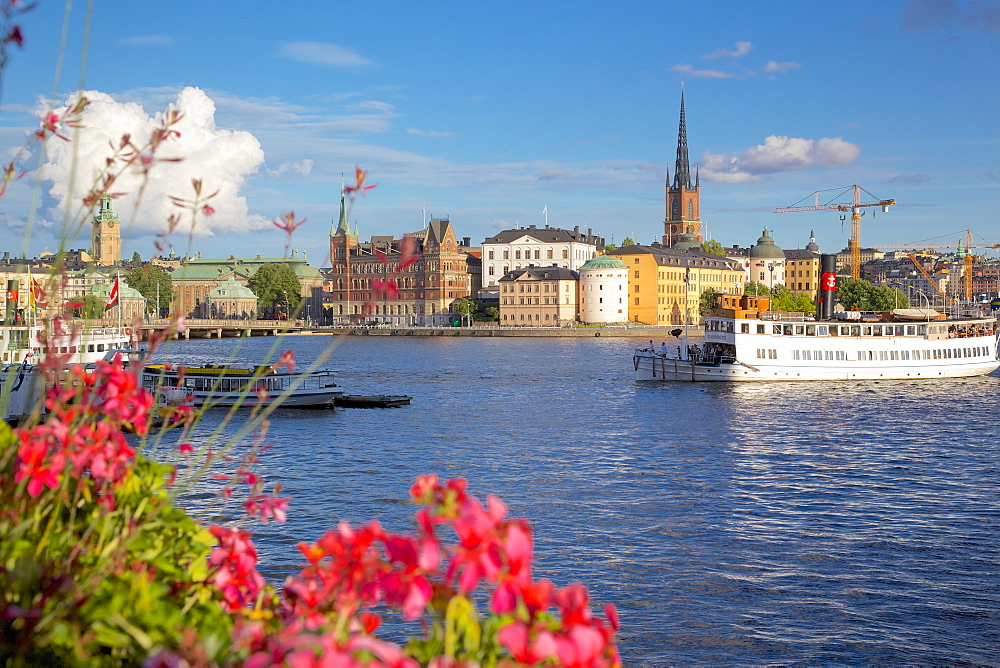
968 260
930 279
854 207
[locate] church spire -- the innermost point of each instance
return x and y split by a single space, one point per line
342 226
682 168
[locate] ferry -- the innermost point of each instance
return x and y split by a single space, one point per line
75 345
247 385
745 341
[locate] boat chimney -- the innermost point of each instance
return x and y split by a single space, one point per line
11 309
827 287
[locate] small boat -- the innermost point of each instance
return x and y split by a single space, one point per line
245 385
371 401
745 341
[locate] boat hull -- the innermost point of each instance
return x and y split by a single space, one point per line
651 366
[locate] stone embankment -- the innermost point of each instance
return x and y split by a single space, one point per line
654 333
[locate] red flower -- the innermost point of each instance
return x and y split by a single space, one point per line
36 466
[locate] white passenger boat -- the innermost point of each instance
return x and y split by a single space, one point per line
244 385
744 341
75 344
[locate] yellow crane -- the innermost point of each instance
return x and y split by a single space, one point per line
854 206
968 261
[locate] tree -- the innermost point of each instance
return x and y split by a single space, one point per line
274 284
466 308
91 309
609 248
493 313
783 299
754 288
628 241
145 279
136 258
713 247
706 299
885 298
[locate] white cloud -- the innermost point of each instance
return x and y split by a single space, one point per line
742 49
777 154
424 133
300 168
773 67
222 159
323 53
705 74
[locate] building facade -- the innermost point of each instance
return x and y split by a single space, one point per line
666 284
197 277
539 297
511 250
603 291
414 280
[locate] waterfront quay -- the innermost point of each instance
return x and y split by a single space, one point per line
224 329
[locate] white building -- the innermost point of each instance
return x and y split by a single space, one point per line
603 291
511 250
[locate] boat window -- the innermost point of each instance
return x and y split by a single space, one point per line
855 330
744 328
911 330
100 347
822 330
730 327
776 329
867 330
90 347
845 330
760 329
899 330
795 354
921 330
800 330
810 330
787 330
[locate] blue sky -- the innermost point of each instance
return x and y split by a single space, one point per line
489 112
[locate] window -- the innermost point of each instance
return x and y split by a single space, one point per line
506 255
565 254
491 255
517 255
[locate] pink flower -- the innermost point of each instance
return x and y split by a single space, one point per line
287 360
185 448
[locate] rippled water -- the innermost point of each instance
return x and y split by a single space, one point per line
849 523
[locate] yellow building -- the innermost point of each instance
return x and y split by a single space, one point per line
666 284
802 272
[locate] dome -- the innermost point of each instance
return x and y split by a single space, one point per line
812 245
231 290
603 262
765 249
687 241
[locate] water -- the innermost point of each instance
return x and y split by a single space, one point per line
849 523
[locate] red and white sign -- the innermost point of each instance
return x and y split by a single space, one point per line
829 281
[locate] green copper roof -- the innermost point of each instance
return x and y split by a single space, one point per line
603 262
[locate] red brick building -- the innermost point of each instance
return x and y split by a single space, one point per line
414 280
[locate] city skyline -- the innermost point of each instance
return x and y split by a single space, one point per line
490 115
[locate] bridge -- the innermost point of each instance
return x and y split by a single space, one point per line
217 328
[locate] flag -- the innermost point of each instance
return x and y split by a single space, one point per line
113 296
545 211
36 295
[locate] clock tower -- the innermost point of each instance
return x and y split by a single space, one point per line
107 235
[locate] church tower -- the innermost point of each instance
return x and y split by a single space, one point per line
683 205
106 240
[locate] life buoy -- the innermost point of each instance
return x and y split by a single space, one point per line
128 330
163 399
